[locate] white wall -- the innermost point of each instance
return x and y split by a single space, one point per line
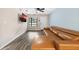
10 27
43 21
65 17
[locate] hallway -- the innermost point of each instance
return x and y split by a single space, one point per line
24 41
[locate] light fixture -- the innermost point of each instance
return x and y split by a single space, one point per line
40 9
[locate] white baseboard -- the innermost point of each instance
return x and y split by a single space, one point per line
13 38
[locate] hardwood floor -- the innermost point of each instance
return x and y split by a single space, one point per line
42 43
24 42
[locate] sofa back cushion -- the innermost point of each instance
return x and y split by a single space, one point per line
73 32
65 36
77 39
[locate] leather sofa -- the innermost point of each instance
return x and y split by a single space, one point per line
63 39
73 32
64 35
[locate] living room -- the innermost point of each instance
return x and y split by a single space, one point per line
35 23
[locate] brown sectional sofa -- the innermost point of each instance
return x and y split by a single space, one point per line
64 35
63 39
73 32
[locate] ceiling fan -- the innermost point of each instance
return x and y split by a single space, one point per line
40 9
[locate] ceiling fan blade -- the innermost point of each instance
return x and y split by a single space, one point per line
40 9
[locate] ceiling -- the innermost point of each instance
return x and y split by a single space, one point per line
34 11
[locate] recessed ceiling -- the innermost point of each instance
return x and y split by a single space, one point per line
34 11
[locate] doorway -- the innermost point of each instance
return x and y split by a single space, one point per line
33 23
37 22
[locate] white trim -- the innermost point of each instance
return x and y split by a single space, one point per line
12 39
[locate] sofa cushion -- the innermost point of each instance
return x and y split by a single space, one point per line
64 35
56 32
73 32
77 39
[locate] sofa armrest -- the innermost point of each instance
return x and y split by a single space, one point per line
68 45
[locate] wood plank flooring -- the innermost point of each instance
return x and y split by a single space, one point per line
24 42
42 43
